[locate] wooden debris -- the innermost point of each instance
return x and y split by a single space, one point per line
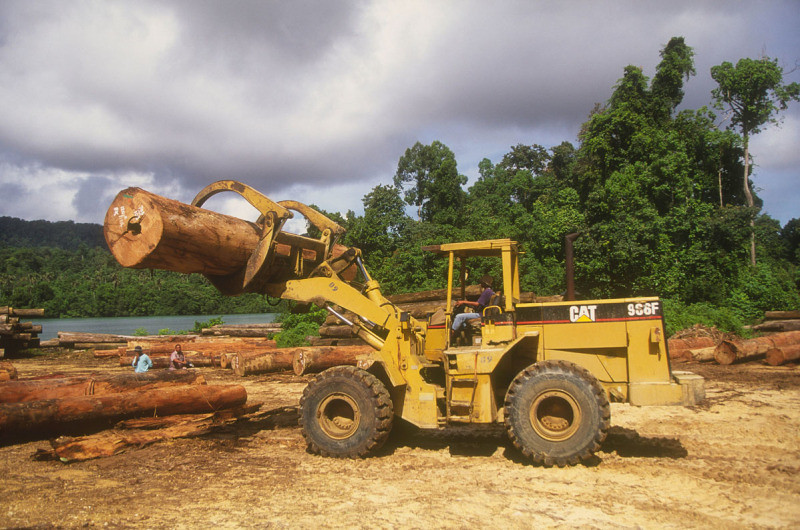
138 433
51 414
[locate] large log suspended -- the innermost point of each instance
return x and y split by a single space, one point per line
33 390
18 418
144 230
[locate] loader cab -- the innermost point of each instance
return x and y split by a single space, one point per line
496 323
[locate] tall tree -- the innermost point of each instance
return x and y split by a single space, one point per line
754 94
667 86
429 176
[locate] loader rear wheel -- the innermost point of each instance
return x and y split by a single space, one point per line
345 412
556 413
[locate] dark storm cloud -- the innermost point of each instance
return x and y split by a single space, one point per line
316 97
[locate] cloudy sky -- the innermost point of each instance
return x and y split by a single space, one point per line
317 100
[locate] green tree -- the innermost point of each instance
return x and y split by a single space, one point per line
753 93
676 65
429 176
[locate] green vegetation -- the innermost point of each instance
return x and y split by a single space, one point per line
299 325
656 193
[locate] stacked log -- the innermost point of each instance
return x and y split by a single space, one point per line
43 407
315 360
780 321
728 351
265 330
277 360
16 335
692 349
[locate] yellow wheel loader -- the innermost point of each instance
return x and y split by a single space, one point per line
547 371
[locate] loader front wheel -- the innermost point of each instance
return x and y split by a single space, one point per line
556 413
345 412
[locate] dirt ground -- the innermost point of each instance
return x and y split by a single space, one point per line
733 462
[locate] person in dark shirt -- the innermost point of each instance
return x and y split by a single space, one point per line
483 300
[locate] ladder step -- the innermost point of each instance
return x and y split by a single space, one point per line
465 381
455 404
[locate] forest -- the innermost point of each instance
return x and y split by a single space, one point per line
659 197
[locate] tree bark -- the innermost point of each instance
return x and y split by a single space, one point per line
67 337
782 315
779 325
34 390
783 355
144 230
275 361
314 360
17 418
728 352
681 348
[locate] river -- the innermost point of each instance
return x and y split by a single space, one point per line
128 325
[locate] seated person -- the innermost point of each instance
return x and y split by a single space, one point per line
483 300
177 361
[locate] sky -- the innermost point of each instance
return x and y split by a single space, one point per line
316 101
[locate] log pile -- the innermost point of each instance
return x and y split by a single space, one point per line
777 348
265 330
16 335
780 321
37 408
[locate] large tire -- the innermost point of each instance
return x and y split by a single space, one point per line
556 413
345 412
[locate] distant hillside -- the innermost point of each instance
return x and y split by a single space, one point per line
61 234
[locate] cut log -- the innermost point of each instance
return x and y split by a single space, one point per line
100 346
343 332
67 337
321 341
33 390
275 361
138 433
51 414
316 359
782 355
144 230
778 325
701 354
728 352
163 361
681 348
203 346
782 315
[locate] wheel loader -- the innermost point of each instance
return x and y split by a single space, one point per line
546 371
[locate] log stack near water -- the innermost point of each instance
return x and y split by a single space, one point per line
38 408
16 335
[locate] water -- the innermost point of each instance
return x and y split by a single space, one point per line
127 325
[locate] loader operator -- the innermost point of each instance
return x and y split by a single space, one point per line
483 300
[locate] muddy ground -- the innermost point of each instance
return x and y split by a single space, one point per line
733 462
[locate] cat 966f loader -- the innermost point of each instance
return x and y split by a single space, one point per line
547 371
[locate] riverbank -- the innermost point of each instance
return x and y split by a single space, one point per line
129 325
